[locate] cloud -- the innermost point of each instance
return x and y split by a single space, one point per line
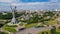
52 4
9 1
35 6
5 0
54 0
32 3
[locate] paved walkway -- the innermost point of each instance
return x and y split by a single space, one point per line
33 30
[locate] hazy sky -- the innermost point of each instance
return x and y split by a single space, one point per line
30 4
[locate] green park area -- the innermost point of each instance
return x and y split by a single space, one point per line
50 22
43 32
49 32
30 25
52 31
3 33
10 28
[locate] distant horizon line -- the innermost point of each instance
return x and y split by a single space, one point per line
34 10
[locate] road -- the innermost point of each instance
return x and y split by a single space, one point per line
33 30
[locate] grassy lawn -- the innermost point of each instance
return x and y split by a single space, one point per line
58 32
44 32
31 25
49 32
21 24
51 22
3 33
10 29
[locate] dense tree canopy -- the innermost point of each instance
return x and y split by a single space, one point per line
8 15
